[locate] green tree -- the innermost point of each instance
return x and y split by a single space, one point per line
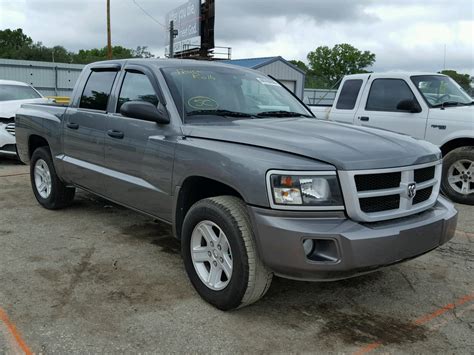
14 44
61 55
37 51
13 40
330 64
464 80
142 52
301 65
85 56
311 81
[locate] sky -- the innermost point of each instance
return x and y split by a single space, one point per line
409 35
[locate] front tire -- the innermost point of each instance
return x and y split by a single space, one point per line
220 255
49 190
458 175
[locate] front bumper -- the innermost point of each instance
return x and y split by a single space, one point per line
7 142
361 247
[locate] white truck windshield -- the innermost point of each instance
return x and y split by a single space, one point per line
440 90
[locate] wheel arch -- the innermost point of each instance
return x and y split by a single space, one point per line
456 143
193 189
34 142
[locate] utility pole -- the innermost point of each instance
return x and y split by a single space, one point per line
109 39
444 62
173 34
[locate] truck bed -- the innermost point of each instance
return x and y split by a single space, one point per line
42 119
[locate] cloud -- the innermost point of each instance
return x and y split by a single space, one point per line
404 34
320 11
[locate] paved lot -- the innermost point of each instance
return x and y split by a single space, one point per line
99 278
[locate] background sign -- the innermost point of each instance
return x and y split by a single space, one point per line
187 20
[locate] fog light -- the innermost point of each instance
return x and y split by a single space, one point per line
308 246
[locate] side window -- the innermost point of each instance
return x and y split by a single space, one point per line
97 90
136 87
386 94
349 94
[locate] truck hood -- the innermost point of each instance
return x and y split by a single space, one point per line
456 113
344 146
9 108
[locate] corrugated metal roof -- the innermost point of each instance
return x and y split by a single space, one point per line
249 62
255 63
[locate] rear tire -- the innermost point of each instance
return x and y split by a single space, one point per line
49 190
226 219
457 182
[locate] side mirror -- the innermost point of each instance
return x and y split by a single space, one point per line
409 106
143 110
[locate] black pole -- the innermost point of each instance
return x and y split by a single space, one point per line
173 34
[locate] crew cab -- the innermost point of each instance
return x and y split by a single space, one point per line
252 184
425 106
12 95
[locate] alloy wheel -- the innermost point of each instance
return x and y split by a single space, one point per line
211 255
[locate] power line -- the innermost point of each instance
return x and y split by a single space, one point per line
148 14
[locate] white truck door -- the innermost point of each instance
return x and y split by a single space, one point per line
390 103
347 99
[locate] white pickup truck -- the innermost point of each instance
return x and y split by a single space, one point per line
432 107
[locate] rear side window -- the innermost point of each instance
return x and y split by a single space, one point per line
386 94
97 91
136 87
349 94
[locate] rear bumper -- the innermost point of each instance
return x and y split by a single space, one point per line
361 248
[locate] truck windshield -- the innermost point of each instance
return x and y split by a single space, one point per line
17 92
214 92
440 90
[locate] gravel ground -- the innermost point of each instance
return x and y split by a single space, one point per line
99 278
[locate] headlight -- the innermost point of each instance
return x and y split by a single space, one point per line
304 190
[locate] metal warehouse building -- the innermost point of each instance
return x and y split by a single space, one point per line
282 70
51 79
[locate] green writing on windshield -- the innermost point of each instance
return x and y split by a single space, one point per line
195 74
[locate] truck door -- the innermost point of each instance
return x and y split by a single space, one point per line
347 99
139 153
386 102
84 131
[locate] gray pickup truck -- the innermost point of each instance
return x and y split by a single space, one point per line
252 184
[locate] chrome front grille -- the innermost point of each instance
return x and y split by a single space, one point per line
10 128
377 195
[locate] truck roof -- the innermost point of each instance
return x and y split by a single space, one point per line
404 75
165 62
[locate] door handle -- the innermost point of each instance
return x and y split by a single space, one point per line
115 134
364 118
72 125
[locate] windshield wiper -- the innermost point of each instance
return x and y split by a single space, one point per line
218 113
449 103
281 114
